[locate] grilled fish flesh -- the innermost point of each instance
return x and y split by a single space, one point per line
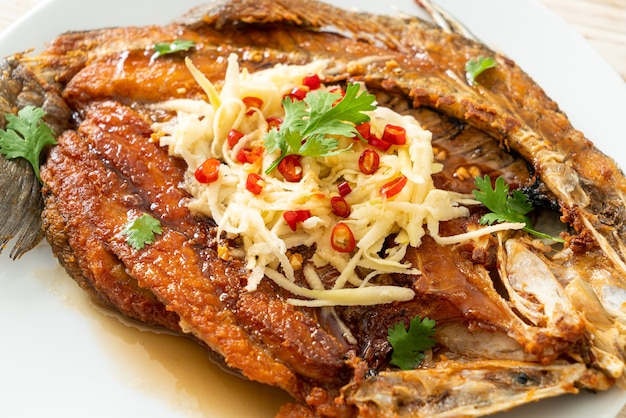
517 319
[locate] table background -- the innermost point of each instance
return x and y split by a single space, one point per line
602 22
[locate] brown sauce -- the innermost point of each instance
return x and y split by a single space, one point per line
174 370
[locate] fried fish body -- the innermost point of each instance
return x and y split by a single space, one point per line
108 165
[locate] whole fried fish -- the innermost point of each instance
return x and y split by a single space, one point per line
517 320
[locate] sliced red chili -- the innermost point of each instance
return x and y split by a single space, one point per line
293 217
208 172
394 187
337 90
344 188
303 214
233 137
394 134
340 207
273 122
342 238
364 130
249 155
369 160
298 93
379 143
252 102
291 168
312 81
255 183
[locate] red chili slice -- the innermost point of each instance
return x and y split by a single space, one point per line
303 214
293 217
208 172
290 168
312 81
252 102
298 93
369 160
394 187
340 207
273 122
344 188
379 143
365 130
249 155
255 183
233 137
394 134
337 90
342 239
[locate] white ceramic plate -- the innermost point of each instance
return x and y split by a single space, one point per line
61 356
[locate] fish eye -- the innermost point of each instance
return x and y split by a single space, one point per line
521 378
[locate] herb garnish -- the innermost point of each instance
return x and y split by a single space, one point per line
505 207
26 135
178 45
409 346
309 124
473 68
141 231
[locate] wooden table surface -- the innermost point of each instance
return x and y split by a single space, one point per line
602 22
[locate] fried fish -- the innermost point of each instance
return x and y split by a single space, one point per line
517 319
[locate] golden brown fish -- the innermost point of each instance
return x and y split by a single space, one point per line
517 319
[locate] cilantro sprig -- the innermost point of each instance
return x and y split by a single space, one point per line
178 45
505 207
475 67
141 231
409 346
309 125
26 136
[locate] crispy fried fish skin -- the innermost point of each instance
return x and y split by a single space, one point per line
99 272
21 201
97 187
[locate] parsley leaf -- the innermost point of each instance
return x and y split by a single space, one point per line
26 135
309 125
505 207
178 45
409 346
141 231
473 68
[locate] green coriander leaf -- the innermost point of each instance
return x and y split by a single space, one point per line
296 115
497 200
505 207
289 138
274 141
294 140
310 126
473 68
352 106
141 231
329 119
178 45
321 146
26 136
518 203
409 346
